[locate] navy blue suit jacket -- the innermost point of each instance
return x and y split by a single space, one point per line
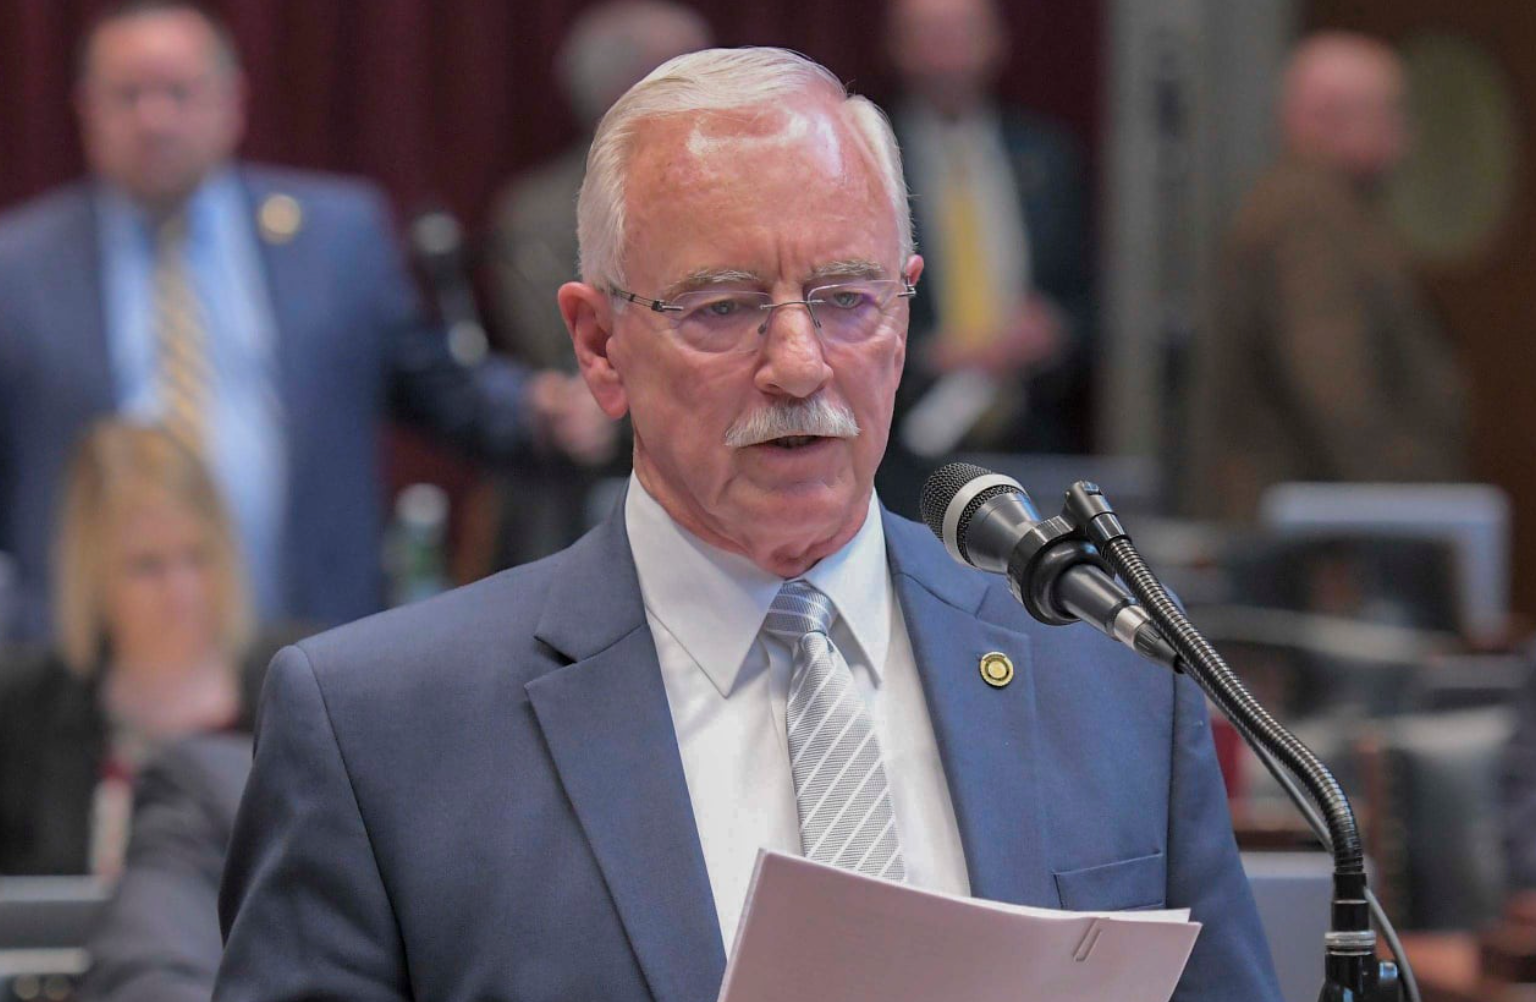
1052 183
351 349
481 796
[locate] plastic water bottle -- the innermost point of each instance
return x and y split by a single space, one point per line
416 548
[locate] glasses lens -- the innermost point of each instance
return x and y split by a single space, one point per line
720 320
852 311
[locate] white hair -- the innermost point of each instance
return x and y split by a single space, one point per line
714 80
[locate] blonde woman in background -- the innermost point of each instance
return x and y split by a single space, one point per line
153 622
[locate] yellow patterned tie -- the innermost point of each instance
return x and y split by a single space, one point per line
968 299
182 339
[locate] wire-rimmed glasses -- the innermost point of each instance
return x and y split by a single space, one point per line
726 320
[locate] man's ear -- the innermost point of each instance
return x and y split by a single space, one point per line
911 271
588 316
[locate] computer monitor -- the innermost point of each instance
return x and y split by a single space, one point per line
40 913
1474 518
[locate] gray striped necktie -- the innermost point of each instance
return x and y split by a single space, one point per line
840 785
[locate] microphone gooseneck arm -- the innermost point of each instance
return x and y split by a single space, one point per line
1060 570
1350 967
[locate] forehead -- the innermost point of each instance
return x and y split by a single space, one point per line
944 13
158 40
757 187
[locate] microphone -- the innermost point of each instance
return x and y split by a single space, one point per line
437 243
987 521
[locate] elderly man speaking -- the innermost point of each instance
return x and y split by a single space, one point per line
552 785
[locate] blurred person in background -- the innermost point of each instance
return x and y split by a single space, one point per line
154 626
1325 363
158 940
1001 205
609 48
263 315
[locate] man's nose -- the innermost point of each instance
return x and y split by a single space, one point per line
794 360
156 111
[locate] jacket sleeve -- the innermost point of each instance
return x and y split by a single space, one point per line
1231 960
159 939
303 907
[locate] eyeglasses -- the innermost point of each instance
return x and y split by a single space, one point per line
727 320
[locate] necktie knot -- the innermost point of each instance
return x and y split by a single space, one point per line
171 232
799 609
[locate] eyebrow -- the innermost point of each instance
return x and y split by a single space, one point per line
704 278
846 268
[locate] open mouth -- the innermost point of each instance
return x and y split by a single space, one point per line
793 441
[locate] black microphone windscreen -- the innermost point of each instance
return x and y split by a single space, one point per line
940 489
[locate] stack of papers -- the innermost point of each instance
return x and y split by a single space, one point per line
815 933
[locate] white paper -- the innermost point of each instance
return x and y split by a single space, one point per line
950 408
815 933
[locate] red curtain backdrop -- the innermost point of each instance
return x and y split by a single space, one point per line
445 99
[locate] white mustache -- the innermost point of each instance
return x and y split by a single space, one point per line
817 416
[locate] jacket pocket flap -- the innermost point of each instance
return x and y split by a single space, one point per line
1120 886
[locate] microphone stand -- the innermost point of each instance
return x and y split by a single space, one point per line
1088 529
437 241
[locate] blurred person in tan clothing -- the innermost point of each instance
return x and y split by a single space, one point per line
1325 363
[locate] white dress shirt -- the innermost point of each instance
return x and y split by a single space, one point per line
727 688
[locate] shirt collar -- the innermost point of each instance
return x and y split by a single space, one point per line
218 193
714 602
858 582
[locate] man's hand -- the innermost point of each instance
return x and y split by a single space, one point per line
1034 338
569 419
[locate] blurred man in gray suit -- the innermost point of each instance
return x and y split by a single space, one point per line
533 240
609 48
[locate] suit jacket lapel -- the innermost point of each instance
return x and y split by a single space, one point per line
606 719
987 736
290 287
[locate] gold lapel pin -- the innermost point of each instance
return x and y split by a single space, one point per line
996 669
280 218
